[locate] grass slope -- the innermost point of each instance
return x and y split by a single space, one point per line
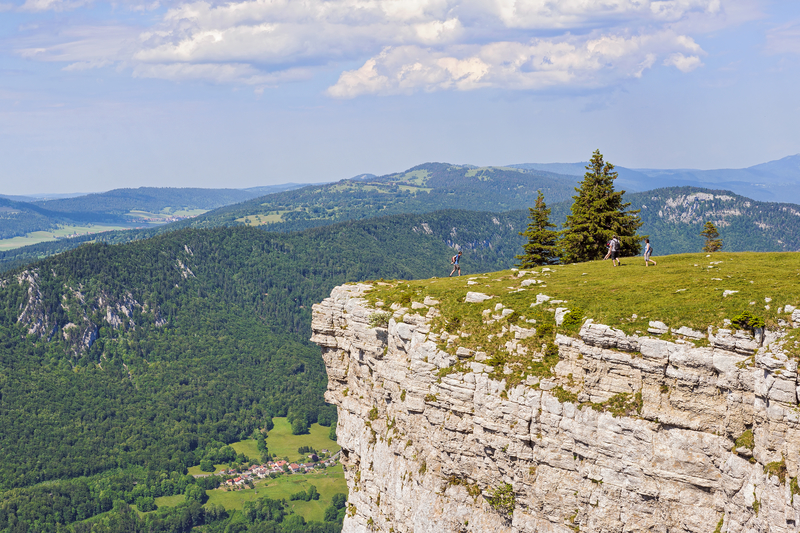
683 290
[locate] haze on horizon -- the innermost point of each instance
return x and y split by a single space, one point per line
204 93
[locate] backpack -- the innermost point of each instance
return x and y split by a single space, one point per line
615 244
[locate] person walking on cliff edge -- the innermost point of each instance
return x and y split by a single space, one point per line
614 247
456 266
648 251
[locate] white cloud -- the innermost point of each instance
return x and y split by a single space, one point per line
405 45
570 14
682 62
542 63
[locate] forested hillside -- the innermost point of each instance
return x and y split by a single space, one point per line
118 207
154 354
152 199
673 217
420 189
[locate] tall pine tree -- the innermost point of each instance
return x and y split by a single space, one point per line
598 213
541 248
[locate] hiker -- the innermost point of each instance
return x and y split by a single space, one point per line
454 262
648 251
608 253
613 249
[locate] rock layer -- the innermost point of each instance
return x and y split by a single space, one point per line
430 451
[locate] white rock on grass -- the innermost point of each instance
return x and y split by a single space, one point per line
560 314
657 327
477 297
725 294
540 299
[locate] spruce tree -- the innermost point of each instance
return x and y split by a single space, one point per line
711 235
541 248
598 213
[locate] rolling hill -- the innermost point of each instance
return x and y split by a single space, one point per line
774 181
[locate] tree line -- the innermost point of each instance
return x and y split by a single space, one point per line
598 214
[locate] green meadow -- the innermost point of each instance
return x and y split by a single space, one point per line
51 235
682 290
281 443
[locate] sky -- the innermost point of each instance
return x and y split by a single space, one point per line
97 95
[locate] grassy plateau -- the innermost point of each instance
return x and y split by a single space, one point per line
693 290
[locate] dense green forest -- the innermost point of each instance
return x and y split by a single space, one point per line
156 354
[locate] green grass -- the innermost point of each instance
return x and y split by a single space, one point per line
282 443
328 483
683 290
195 470
247 447
680 291
62 231
170 501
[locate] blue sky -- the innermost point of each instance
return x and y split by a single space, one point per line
97 95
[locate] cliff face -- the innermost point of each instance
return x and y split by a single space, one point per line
430 451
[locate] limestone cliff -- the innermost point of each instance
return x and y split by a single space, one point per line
428 450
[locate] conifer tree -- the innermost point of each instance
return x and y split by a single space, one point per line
541 248
598 213
711 235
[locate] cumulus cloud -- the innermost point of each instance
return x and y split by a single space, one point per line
682 62
538 64
408 45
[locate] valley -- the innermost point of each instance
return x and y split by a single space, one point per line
135 363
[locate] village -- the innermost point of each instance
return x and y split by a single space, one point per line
240 480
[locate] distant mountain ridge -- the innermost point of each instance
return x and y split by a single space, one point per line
772 181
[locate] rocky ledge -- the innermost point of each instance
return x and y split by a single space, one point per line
709 439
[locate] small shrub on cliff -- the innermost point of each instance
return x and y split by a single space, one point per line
373 413
747 321
776 468
564 396
379 319
745 440
622 404
502 499
573 320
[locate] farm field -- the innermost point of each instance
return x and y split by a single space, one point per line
62 231
281 443
328 483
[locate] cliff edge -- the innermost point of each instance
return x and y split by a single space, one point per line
535 426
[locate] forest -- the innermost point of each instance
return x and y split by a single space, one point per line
153 355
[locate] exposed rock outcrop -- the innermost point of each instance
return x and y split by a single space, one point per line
429 448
